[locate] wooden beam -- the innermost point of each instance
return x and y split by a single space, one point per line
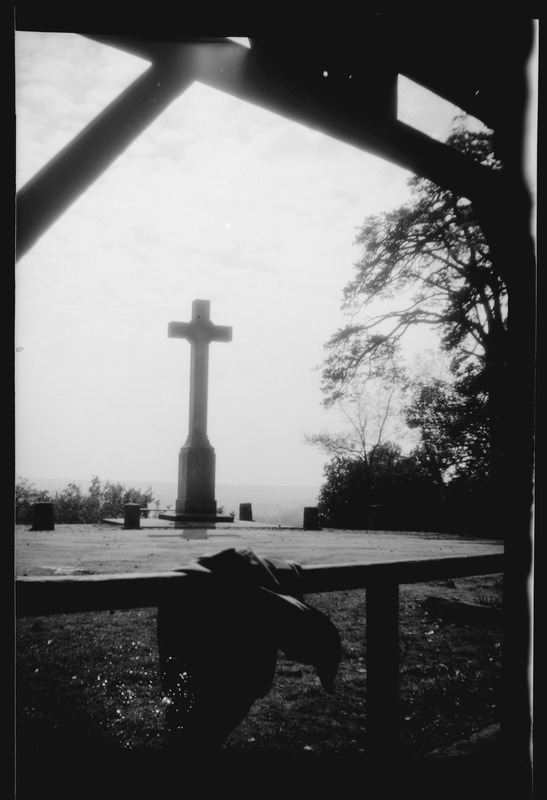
224 69
231 68
60 594
49 194
335 577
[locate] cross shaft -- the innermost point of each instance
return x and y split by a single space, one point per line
200 332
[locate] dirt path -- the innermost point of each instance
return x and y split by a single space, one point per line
99 549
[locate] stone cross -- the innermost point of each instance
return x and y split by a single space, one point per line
196 488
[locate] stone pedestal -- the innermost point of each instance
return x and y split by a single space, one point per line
311 519
132 516
196 490
246 512
43 517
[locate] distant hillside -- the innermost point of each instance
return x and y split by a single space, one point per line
278 505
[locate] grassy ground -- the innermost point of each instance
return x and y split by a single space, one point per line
91 682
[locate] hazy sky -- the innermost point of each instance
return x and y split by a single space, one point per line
218 200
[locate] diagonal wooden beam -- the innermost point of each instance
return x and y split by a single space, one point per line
52 190
223 69
232 68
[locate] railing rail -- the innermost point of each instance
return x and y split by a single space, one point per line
42 595
64 594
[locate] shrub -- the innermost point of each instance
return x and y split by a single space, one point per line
72 506
26 495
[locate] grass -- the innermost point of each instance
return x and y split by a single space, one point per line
91 682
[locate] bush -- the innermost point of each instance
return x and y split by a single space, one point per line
26 495
72 506
400 493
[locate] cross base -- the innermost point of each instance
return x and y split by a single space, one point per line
175 517
196 490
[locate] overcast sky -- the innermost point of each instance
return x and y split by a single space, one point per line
218 200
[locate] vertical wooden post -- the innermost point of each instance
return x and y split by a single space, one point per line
382 642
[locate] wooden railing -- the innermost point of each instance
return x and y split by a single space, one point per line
37 596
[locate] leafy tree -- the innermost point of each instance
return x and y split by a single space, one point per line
363 449
453 429
343 499
109 500
396 493
70 505
428 263
454 449
95 500
371 412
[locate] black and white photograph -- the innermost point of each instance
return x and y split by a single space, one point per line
274 400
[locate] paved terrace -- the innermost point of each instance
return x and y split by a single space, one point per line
158 545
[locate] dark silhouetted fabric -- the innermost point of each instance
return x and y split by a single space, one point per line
218 642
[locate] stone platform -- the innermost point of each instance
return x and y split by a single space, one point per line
158 545
181 520
164 521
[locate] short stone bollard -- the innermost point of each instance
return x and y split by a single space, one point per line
132 516
43 518
246 512
311 518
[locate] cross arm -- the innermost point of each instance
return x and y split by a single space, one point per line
179 330
221 333
205 331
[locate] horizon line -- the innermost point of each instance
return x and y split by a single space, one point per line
173 481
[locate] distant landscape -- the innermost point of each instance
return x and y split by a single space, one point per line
278 505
